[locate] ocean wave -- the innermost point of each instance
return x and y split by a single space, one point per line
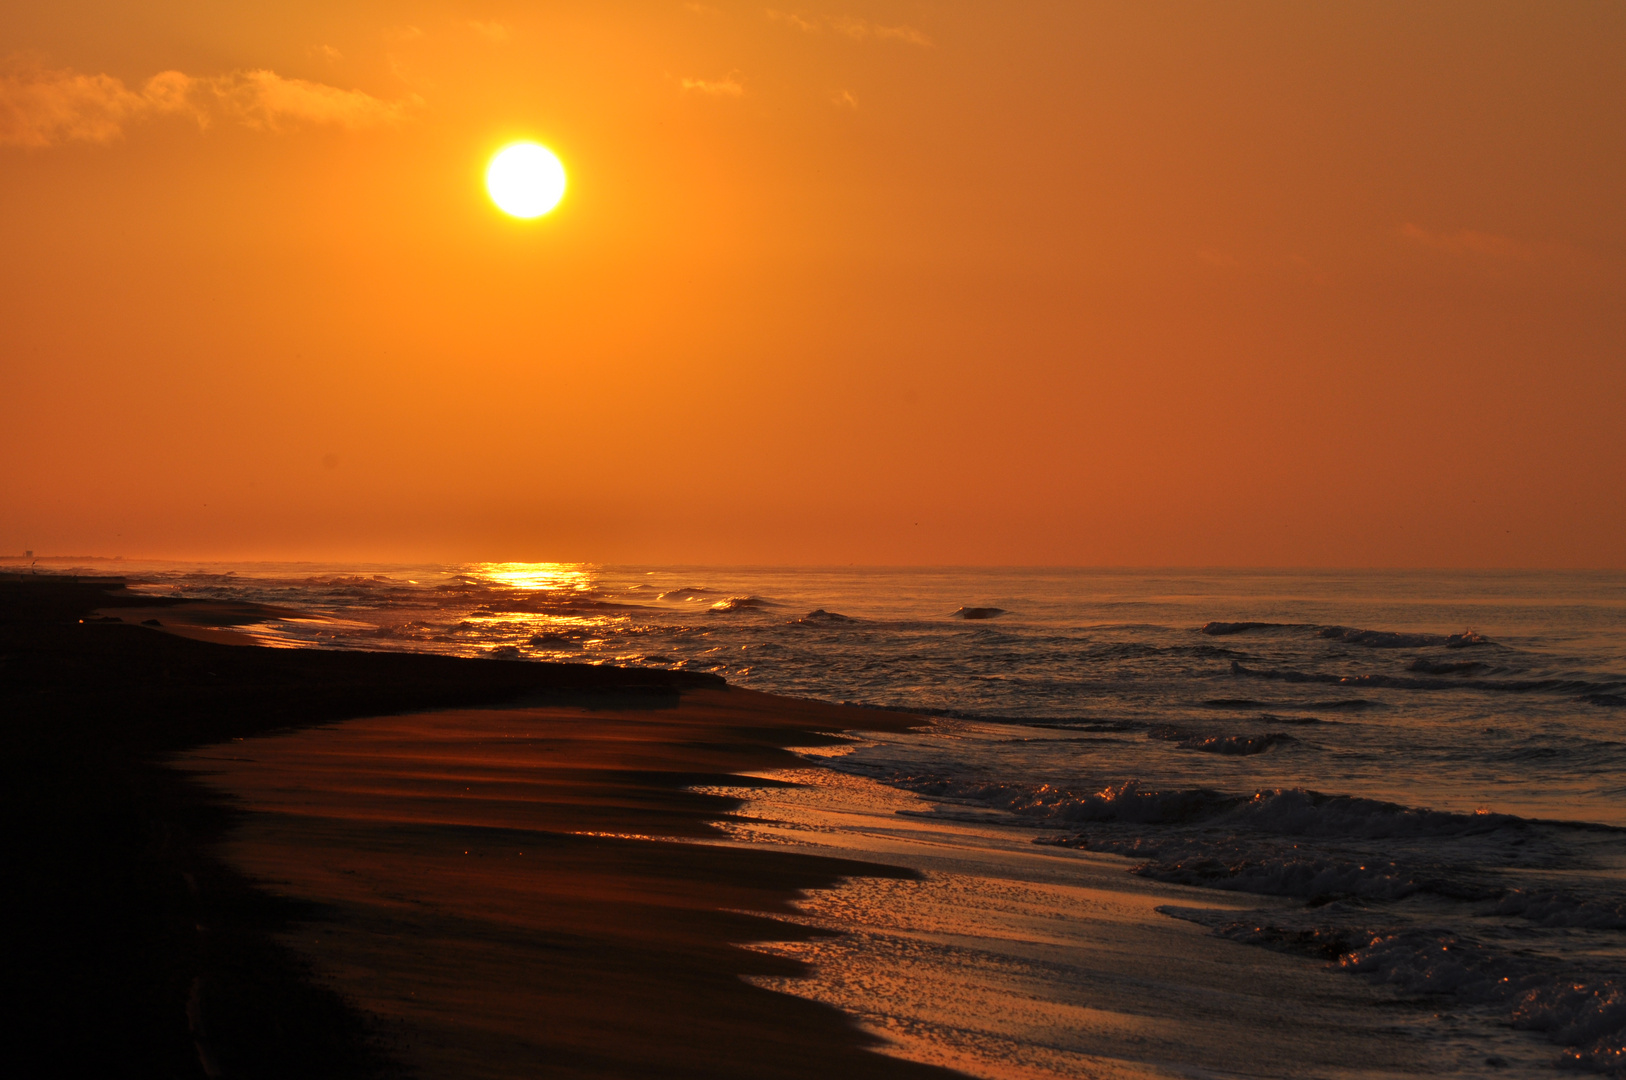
1430 961
332 580
1278 811
1578 1008
1225 629
1124 803
1394 639
1301 875
1274 868
1587 1016
1301 812
1378 639
978 613
1403 682
687 592
1551 907
821 617
559 637
1229 745
739 603
1431 667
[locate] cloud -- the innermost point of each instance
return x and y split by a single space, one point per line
850 27
266 100
328 53
62 106
862 30
702 9
727 87
1466 242
794 21
46 108
845 99
493 31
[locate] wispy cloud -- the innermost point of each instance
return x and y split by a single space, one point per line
492 31
726 87
264 99
863 30
795 22
845 99
62 106
45 108
1466 242
850 27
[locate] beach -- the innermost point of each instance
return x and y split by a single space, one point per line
150 950
338 861
508 891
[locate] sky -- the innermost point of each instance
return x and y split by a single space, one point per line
1070 283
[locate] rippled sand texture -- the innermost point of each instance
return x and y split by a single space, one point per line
483 882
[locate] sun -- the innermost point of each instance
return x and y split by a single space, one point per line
525 180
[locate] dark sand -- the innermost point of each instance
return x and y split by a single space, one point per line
465 905
144 949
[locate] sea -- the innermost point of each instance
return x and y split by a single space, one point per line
1418 776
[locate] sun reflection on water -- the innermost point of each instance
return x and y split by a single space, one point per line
541 610
538 577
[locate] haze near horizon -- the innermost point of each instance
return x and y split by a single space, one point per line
906 283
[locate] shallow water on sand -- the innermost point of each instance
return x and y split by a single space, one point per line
1026 962
1414 779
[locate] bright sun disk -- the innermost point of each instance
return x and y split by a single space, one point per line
525 180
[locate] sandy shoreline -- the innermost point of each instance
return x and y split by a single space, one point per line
505 888
242 861
151 954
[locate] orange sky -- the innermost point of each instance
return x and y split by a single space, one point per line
1065 283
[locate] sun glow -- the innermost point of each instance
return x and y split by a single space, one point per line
537 577
525 180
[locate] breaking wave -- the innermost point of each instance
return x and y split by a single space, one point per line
1577 1008
1286 812
739 603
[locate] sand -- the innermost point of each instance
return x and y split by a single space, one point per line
241 861
357 922
565 890
505 889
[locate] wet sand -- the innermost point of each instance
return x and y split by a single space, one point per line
1022 961
148 942
567 890
507 891
240 861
